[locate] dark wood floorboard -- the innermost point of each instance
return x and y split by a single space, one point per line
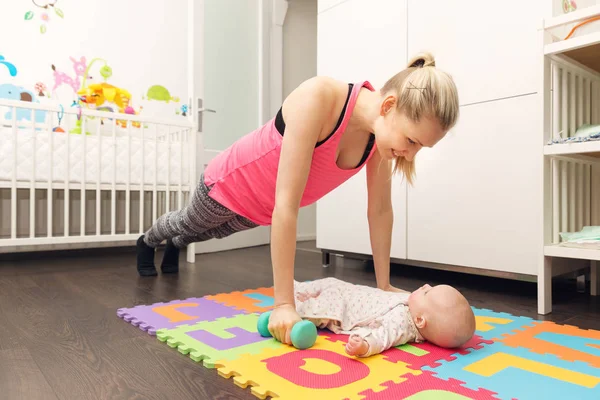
61 338
21 378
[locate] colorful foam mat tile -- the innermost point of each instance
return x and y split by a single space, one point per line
153 317
492 325
249 301
569 343
221 339
324 371
518 373
426 386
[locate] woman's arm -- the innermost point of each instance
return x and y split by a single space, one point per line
381 216
306 111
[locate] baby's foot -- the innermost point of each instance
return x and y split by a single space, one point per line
356 346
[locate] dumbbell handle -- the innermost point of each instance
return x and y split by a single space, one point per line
303 335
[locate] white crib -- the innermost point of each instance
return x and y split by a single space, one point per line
102 188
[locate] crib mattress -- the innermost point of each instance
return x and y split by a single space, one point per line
146 158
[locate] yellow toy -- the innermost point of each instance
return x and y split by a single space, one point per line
96 95
99 93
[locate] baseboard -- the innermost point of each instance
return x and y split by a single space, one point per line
258 236
306 237
438 266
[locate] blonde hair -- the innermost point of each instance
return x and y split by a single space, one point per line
423 90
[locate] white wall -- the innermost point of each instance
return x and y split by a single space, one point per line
299 64
144 43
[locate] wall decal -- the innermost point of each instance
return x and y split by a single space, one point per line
160 93
40 88
61 78
569 5
18 93
44 5
12 70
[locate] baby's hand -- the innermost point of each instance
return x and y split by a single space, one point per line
356 346
303 296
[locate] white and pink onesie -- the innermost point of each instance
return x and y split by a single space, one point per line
381 318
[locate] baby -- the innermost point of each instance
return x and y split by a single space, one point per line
377 320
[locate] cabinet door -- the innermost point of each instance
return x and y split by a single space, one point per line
324 5
477 197
491 48
360 40
342 218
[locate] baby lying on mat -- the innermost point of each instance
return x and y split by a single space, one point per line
377 320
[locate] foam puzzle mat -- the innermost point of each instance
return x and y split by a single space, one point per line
510 357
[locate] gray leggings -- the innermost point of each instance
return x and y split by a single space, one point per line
202 219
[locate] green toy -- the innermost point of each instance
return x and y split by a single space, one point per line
160 93
304 333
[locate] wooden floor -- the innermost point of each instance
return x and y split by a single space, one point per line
61 339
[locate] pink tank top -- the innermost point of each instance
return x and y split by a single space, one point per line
243 177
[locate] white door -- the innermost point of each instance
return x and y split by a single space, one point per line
228 92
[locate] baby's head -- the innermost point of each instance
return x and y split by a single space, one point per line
442 315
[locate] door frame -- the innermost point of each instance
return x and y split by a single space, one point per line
271 16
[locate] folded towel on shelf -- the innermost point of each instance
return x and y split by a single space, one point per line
588 237
587 233
592 245
585 133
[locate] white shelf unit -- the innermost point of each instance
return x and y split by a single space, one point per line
570 89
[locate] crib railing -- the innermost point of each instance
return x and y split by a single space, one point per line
90 186
576 180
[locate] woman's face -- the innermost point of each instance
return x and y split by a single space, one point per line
399 136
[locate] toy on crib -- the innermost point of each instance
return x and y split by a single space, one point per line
98 94
304 333
60 117
130 110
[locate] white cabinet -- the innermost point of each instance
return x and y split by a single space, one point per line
324 5
342 223
491 48
342 218
362 40
476 199
477 194
345 52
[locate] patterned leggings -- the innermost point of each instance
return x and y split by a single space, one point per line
201 220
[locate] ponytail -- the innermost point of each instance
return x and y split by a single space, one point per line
423 91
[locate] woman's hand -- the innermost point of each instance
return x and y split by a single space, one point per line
390 288
282 320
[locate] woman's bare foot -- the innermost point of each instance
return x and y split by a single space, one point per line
356 346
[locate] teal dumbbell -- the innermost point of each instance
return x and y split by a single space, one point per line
304 333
